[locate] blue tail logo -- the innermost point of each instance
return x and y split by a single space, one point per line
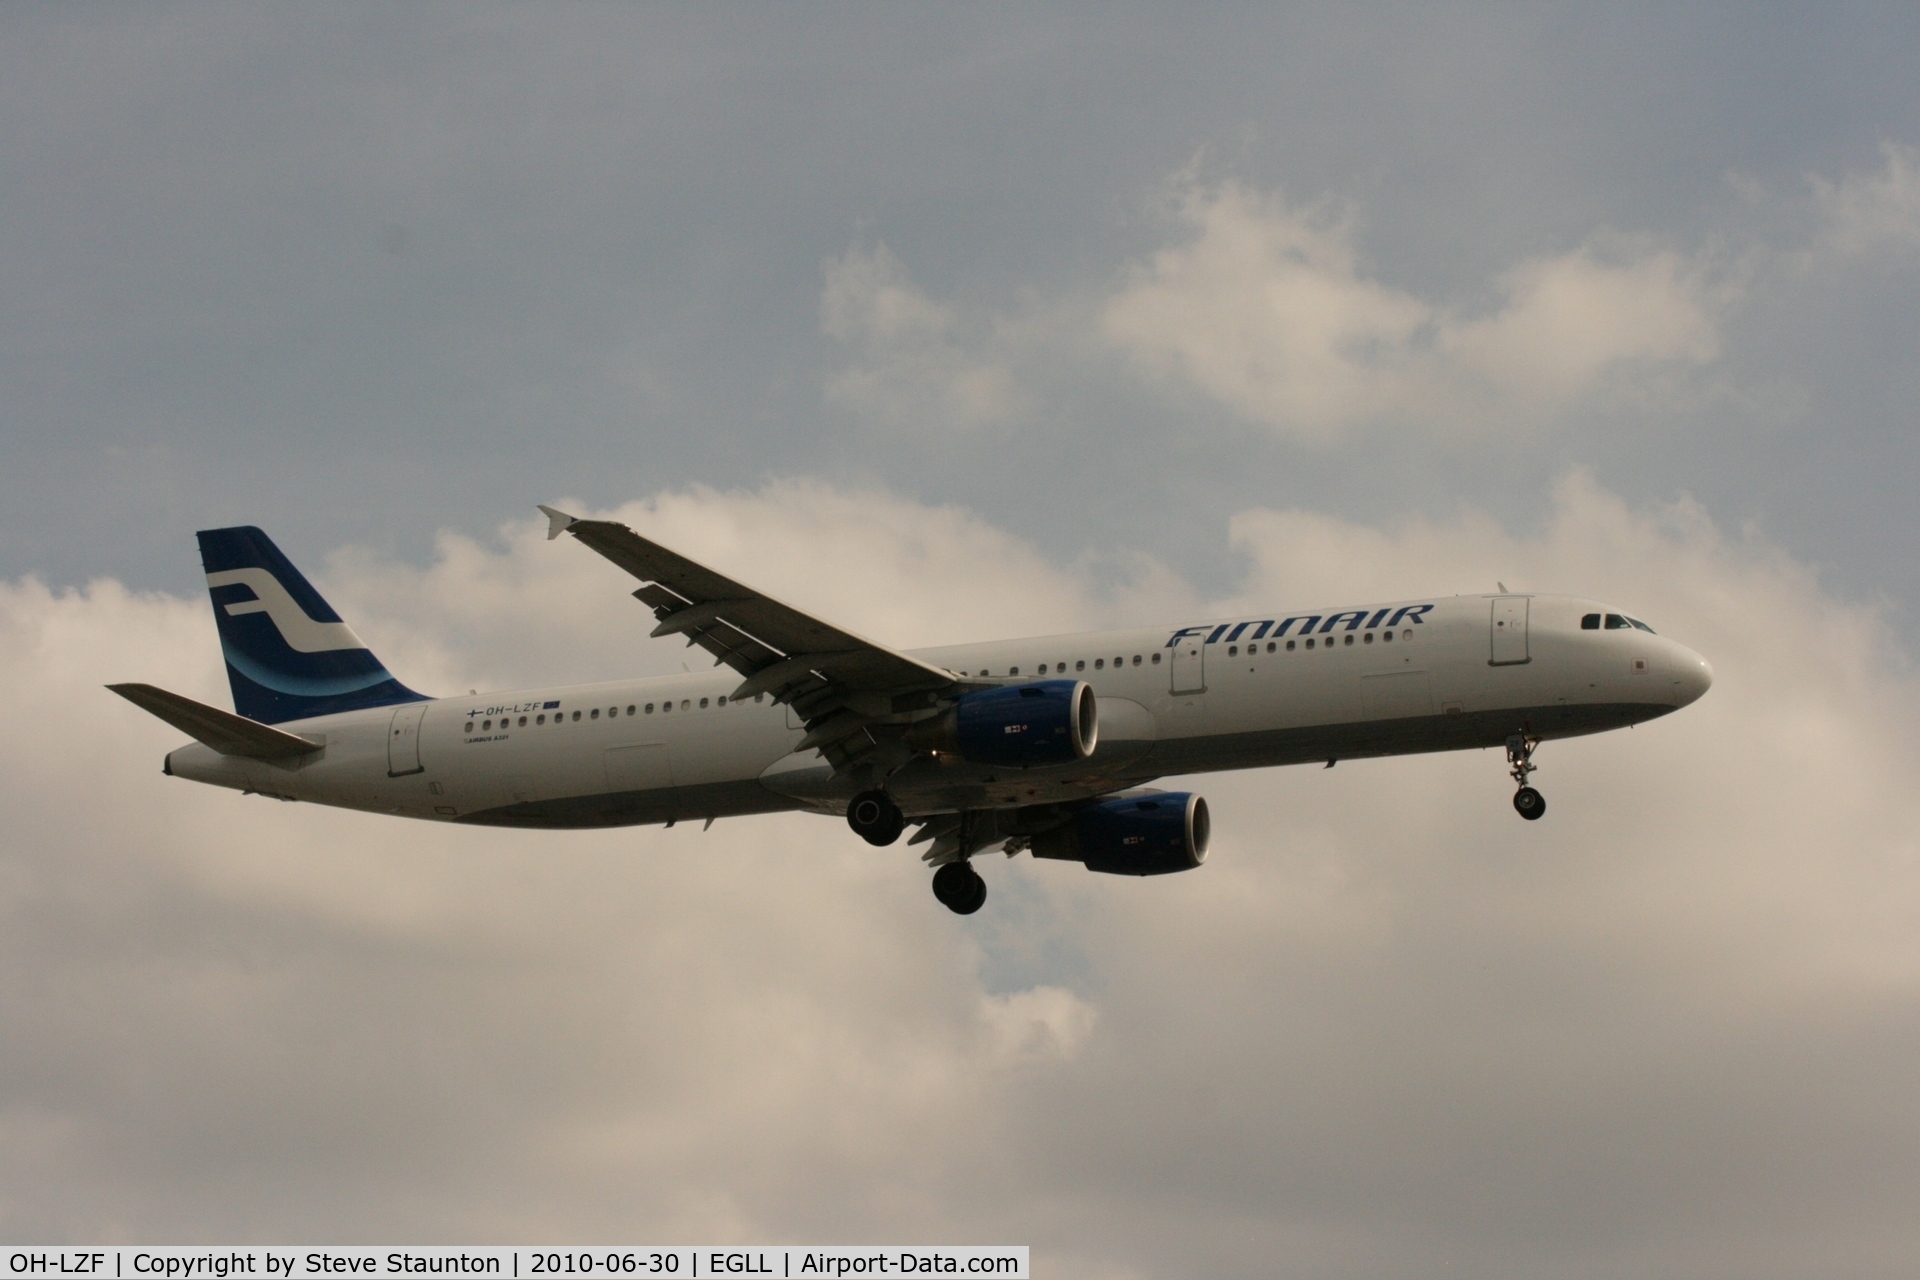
289 656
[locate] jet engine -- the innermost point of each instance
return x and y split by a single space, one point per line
1150 833
1045 722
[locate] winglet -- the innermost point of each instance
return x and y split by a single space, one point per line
557 522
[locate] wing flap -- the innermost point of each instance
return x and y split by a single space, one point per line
229 734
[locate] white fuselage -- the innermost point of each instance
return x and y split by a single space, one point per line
1469 671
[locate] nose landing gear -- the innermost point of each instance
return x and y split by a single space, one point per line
960 888
1527 802
875 818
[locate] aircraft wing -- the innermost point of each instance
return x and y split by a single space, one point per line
843 686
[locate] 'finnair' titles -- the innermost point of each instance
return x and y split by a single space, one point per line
1344 619
1047 745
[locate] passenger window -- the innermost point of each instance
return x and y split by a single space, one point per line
1407 634
1386 637
595 714
703 704
1233 651
1136 659
1617 623
469 728
1349 637
523 722
649 708
665 707
629 710
539 719
1369 637
576 717
684 704
1080 665
1309 644
1099 664
487 725
1590 623
1289 646
1013 671
1156 659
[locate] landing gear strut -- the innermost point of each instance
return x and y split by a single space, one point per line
1527 802
960 888
875 818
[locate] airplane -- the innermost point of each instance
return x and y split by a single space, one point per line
1046 745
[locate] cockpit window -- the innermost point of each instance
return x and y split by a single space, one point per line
1643 626
1617 623
1590 623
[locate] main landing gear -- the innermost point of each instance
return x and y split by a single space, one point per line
875 818
960 888
1527 802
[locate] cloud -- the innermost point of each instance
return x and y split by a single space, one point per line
535 611
1270 309
1872 214
908 365
1388 1028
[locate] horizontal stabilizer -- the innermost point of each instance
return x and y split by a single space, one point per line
229 734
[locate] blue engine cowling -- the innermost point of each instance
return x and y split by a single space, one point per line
1145 834
1045 722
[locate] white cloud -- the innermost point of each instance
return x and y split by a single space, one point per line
1040 1023
535 611
908 363
1568 320
1868 214
1389 1028
1270 309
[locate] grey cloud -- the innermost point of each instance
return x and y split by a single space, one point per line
381 279
1875 213
908 368
1387 1027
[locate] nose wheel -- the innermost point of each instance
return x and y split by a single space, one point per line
960 888
875 818
1527 802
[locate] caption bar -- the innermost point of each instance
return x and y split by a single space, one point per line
786 1262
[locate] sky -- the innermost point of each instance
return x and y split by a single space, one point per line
949 323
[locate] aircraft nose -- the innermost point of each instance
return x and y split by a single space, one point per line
1692 676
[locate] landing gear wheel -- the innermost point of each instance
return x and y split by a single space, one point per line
960 888
875 818
1527 802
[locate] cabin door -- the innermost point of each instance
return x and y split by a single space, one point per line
1509 630
1190 665
403 740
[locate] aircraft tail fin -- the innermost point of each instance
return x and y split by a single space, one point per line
289 656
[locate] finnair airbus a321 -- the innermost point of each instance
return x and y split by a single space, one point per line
1044 745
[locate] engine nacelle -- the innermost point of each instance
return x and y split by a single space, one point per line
1148 834
1044 722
